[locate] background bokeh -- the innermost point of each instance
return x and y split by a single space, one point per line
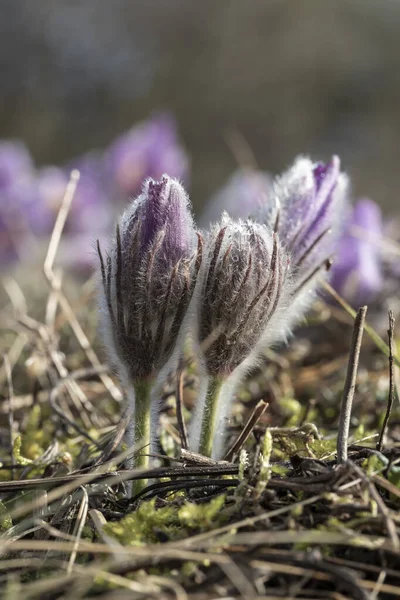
290 77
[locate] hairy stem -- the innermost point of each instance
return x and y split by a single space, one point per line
209 423
138 433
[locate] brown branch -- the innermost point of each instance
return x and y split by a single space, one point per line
350 385
391 382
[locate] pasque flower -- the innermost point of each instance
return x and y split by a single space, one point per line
248 296
243 289
308 209
357 273
148 279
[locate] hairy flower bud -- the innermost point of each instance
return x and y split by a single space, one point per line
357 273
242 284
308 211
312 197
149 277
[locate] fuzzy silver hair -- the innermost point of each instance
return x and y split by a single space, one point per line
144 295
243 278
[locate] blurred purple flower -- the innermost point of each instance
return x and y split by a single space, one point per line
16 177
243 195
16 165
30 199
357 271
90 215
149 149
92 210
41 204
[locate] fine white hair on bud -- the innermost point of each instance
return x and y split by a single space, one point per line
243 289
243 280
308 210
149 277
147 281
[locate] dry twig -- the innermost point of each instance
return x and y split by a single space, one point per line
349 386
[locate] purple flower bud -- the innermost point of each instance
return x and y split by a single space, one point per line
149 277
357 271
308 211
312 198
147 150
242 196
244 284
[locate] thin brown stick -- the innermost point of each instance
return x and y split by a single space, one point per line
198 459
349 386
59 224
54 281
179 408
8 370
390 525
391 395
255 416
62 414
80 522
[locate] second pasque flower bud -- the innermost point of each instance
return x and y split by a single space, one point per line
243 281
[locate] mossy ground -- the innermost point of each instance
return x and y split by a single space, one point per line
283 521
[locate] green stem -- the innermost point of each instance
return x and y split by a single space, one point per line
141 429
210 414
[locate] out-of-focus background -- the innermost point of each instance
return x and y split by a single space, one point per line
252 83
312 77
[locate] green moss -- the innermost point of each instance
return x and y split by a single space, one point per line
375 464
202 516
292 411
323 448
145 524
279 470
19 459
148 523
37 436
5 519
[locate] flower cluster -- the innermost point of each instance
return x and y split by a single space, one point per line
30 197
365 269
234 288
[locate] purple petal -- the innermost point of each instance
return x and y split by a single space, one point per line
147 150
165 208
357 270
